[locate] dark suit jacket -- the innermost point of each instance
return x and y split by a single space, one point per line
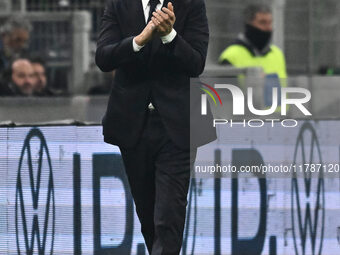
159 73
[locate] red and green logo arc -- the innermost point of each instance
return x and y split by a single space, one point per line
207 90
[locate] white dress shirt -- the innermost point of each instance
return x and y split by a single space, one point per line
165 39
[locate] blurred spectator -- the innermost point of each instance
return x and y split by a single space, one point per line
14 37
41 88
253 48
19 79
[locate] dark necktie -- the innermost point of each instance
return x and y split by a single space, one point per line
153 4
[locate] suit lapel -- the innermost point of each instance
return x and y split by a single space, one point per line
136 14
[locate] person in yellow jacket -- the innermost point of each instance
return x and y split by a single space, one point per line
253 48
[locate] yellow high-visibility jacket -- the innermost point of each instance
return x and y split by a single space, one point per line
240 56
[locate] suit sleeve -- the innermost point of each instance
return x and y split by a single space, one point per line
190 48
112 50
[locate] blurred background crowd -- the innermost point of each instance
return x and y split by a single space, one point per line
22 73
47 46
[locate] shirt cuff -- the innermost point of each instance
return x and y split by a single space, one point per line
169 37
135 46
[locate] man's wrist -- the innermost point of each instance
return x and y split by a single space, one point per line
169 37
136 44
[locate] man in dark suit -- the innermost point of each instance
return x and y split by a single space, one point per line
155 47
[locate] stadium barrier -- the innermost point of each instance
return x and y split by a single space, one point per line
64 191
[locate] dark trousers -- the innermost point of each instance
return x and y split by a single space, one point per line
159 175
